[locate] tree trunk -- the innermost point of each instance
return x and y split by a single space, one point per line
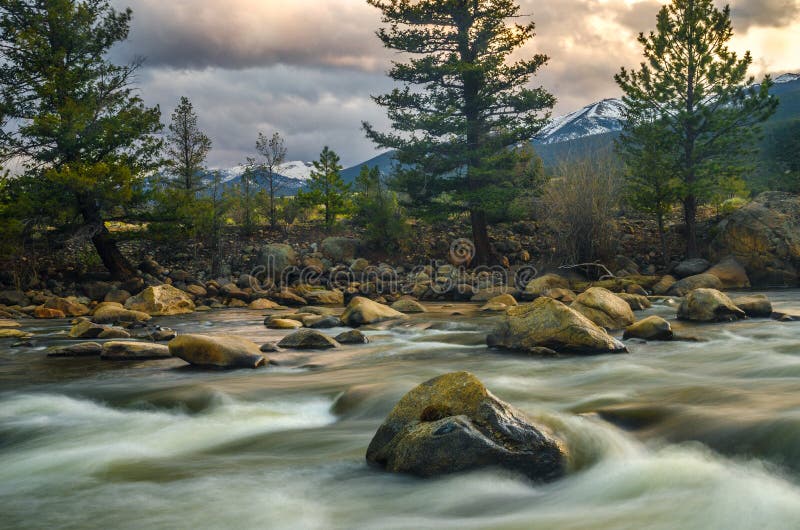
480 237
106 246
690 218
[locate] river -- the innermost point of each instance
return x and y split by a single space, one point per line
677 435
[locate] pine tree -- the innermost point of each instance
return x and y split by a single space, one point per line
463 104
187 146
273 151
326 187
695 93
70 116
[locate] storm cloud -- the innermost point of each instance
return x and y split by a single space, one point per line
307 68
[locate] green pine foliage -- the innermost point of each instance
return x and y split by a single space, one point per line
463 103
693 95
378 211
326 188
73 118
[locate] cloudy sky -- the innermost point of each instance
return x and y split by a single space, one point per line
307 68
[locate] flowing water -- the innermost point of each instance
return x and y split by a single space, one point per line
684 435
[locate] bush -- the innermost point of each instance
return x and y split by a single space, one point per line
580 205
378 211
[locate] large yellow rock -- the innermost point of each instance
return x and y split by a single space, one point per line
223 351
539 286
547 323
68 307
708 305
604 308
361 311
651 328
161 300
110 312
453 423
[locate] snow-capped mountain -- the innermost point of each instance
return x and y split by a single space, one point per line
296 170
598 118
786 78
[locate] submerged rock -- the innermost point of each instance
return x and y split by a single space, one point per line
361 311
708 305
404 305
453 423
650 328
755 306
308 339
547 323
134 351
604 308
224 351
161 300
352 337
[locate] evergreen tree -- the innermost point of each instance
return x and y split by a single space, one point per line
695 92
247 190
71 117
326 187
463 104
187 146
377 209
273 151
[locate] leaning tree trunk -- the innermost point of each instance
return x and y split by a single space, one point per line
105 244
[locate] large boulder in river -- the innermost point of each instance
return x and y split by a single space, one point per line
134 351
539 286
708 305
308 339
452 423
755 306
111 312
222 351
604 308
547 323
341 249
651 328
700 281
361 311
276 258
764 236
161 300
731 273
406 305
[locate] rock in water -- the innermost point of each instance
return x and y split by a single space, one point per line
708 305
604 308
362 311
223 351
161 300
700 281
637 302
547 323
134 351
755 306
352 337
112 312
453 423
405 305
650 328
539 286
691 267
84 349
731 273
308 339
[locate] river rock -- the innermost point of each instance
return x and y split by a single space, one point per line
452 423
708 305
14 298
10 333
341 249
4 323
308 339
276 258
282 323
113 312
731 273
43 312
68 307
663 285
764 236
86 329
84 349
651 328
604 308
701 281
117 295
691 267
353 336
262 304
161 300
637 302
289 298
547 323
755 306
114 333
222 351
405 305
321 321
566 296
324 297
539 286
361 311
134 351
